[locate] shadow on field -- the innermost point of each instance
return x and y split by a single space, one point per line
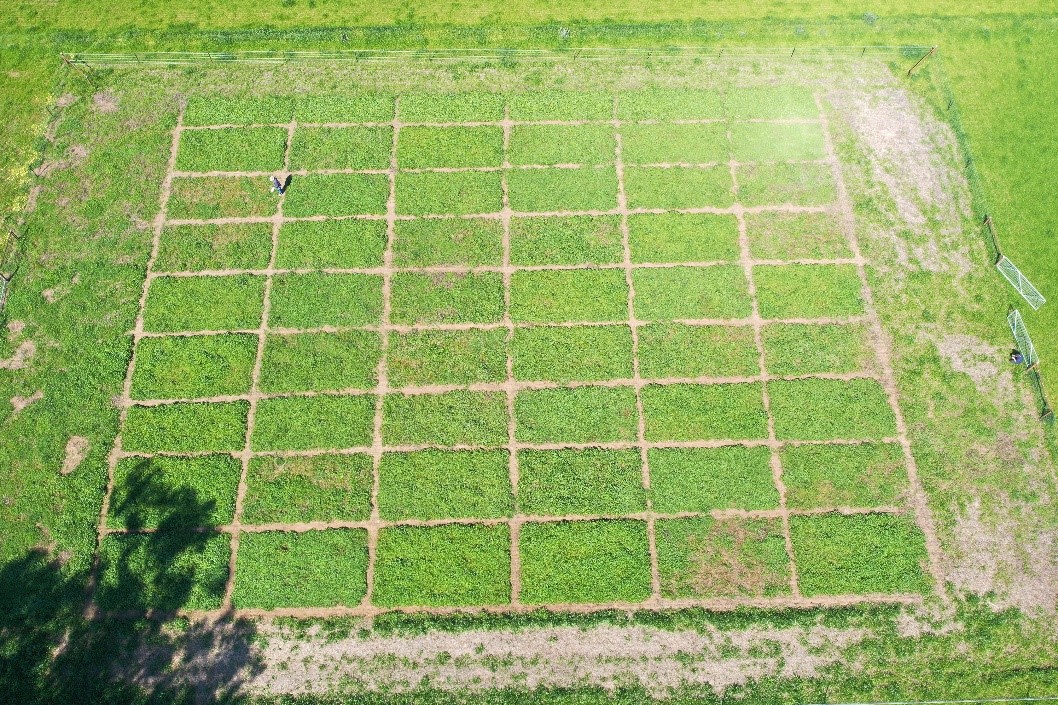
50 653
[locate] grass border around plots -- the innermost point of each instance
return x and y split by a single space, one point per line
440 484
308 488
321 568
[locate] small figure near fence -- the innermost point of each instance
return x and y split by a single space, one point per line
278 186
1016 357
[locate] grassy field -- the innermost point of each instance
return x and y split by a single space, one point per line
86 260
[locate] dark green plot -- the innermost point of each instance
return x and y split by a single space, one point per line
185 428
562 144
566 240
336 195
215 110
561 106
560 190
688 412
316 148
683 237
585 482
450 107
204 303
362 107
449 147
555 296
314 300
449 241
821 409
671 104
441 484
320 361
170 493
350 243
565 354
453 418
808 290
446 297
578 415
675 144
802 349
677 350
232 149
679 187
311 423
449 193
691 293
703 479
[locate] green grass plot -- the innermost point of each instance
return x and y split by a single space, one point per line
320 362
777 235
683 237
314 300
449 193
562 144
691 293
777 142
450 107
449 147
585 482
827 476
297 489
195 427
215 110
451 241
671 104
677 350
703 479
688 412
331 244
803 349
336 195
439 484
204 303
168 493
309 423
564 354
704 143
196 366
561 190
453 418
560 106
678 187
785 183
362 107
191 248
566 240
789 102
808 290
446 357
555 296
821 409
447 298
578 415
316 148
232 149
221 197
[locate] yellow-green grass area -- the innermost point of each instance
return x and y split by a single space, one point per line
523 367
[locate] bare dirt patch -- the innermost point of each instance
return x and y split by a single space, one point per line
721 565
14 329
19 403
105 102
75 453
980 361
21 356
66 100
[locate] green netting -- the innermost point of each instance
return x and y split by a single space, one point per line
1020 282
1021 336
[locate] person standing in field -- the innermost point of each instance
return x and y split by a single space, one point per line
277 186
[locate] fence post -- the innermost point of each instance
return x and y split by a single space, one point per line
928 53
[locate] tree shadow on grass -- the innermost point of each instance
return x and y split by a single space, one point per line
51 653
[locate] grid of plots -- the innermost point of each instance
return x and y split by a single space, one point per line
554 349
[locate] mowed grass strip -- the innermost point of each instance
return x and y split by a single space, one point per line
691 293
808 290
309 569
864 475
454 241
449 147
285 490
320 362
439 484
777 142
220 110
786 183
678 350
577 415
443 566
182 427
446 357
562 106
164 571
778 235
803 349
821 409
179 304
336 195
580 482
191 248
556 296
689 412
453 418
703 479
221 197
197 366
674 144
560 190
683 237
446 297
316 148
451 107
331 244
858 554
566 240
314 300
449 193
232 149
171 493
564 354
706 558
585 562
651 187
361 107
310 423
589 145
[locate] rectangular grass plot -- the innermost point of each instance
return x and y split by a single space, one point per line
307 569
450 107
691 293
453 418
792 349
308 488
772 103
232 149
566 240
440 484
221 197
683 237
204 303
189 248
821 409
777 142
562 144
441 566
577 415
677 350
218 110
174 492
736 557
861 475
703 479
331 244
316 148
585 562
426 357
561 190
320 361
449 241
588 481
447 298
778 235
674 144
678 187
808 290
356 107
187 570
336 195
449 193
688 412
560 106
449 147
186 367
858 554
553 296
781 184
314 300
185 427
565 354
671 104
310 423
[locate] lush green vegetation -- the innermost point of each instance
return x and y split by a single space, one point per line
702 479
312 488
